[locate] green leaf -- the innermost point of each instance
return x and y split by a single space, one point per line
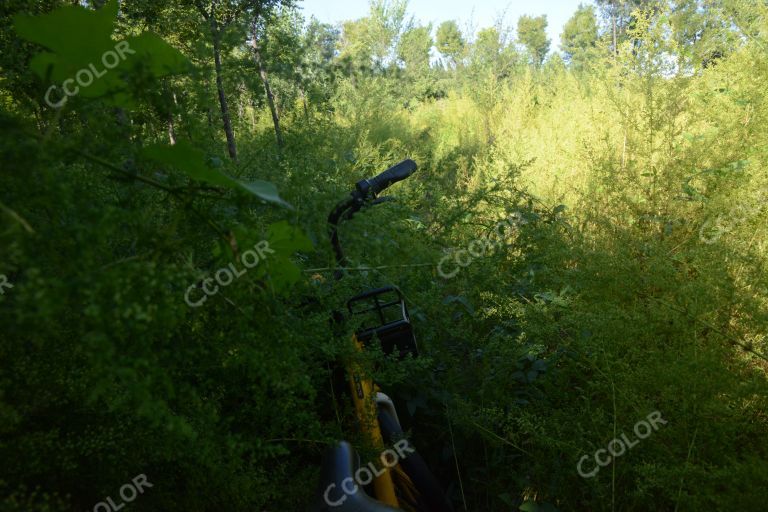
153 53
73 32
265 190
83 52
532 506
285 240
190 160
193 162
283 237
506 498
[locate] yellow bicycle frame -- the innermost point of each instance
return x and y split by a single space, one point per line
364 397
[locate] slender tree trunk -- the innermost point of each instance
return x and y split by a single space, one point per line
265 79
240 107
171 131
171 128
613 23
231 146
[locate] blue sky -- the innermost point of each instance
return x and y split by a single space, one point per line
479 13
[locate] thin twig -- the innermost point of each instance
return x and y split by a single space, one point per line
18 218
725 335
293 440
456 461
172 191
231 303
364 269
112 167
613 466
687 460
506 441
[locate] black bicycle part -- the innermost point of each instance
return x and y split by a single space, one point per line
431 496
365 192
377 185
337 475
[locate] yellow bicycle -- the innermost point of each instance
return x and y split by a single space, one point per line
400 480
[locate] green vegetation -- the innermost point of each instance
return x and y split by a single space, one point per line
634 280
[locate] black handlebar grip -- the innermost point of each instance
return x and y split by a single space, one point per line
392 175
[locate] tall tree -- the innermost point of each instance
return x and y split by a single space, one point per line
618 16
450 41
414 47
532 33
256 32
387 21
703 30
486 49
373 40
220 16
354 45
579 38
317 53
277 50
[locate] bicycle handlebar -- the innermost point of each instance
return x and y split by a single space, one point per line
389 177
365 190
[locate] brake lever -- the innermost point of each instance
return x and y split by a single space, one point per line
385 199
368 204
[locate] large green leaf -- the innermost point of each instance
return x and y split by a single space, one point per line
265 190
81 45
159 57
192 161
285 240
189 160
73 32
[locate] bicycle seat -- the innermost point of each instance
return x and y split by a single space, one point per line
338 478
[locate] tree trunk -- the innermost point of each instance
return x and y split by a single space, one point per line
267 88
171 131
615 38
231 146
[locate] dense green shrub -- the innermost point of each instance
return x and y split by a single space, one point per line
631 280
